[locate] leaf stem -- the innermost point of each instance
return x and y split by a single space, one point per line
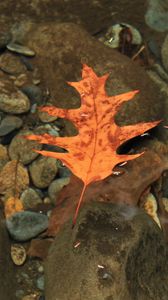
79 204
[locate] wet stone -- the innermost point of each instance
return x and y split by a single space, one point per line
63 171
56 186
34 93
21 148
33 108
11 64
21 80
42 171
23 226
16 103
18 254
48 128
45 117
9 124
30 198
17 48
26 61
40 283
12 100
112 253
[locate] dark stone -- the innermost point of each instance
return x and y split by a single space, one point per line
122 255
6 140
34 93
64 172
27 62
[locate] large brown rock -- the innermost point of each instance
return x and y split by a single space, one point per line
7 274
60 50
121 255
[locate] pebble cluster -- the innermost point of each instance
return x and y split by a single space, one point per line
20 96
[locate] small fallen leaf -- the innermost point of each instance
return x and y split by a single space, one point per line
12 205
39 248
14 178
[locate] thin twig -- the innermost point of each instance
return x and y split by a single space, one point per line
139 51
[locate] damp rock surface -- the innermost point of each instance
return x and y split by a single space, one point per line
108 256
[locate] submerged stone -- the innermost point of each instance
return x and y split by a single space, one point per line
113 252
23 226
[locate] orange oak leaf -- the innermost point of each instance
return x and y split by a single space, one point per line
92 152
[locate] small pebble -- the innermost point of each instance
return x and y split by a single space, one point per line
40 269
34 93
49 213
30 198
10 123
45 117
41 297
56 186
47 200
42 171
25 276
11 64
20 49
36 81
30 297
33 108
40 283
26 61
21 80
19 294
18 254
